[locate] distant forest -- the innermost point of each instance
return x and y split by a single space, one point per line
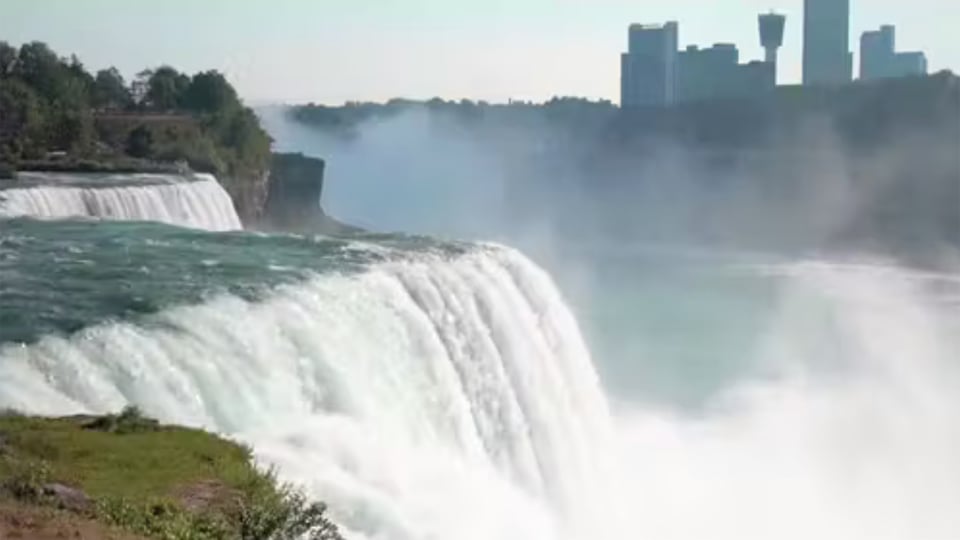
56 114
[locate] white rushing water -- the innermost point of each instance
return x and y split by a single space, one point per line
428 399
438 399
201 203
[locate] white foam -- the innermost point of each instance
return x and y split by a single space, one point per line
201 204
454 399
430 399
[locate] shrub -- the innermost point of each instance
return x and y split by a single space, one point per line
130 420
268 512
163 520
26 479
140 142
284 513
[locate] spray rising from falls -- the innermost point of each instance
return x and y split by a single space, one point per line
425 398
201 203
851 435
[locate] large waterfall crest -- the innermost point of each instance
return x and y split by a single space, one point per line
428 391
200 203
373 389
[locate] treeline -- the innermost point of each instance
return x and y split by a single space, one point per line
861 114
346 118
52 108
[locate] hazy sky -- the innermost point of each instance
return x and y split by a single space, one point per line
335 50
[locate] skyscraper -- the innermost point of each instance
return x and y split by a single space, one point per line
906 64
876 52
648 71
826 42
705 74
879 58
716 73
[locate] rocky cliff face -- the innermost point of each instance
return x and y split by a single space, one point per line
249 195
293 197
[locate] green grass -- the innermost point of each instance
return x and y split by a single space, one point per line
141 464
141 475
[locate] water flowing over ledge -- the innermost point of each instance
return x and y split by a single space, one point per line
372 389
199 203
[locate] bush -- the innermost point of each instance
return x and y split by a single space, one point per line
281 512
26 479
130 420
267 512
140 142
162 519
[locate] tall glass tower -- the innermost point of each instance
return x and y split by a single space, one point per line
826 42
649 68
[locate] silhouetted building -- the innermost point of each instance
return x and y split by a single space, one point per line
707 73
876 52
879 58
648 71
826 42
910 63
755 79
771 36
715 73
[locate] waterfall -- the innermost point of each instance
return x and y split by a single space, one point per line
201 203
430 391
395 395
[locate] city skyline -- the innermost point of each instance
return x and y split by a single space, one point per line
295 51
657 71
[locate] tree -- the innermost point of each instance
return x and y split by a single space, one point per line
246 146
8 58
22 111
40 67
69 124
77 74
210 92
110 90
70 129
165 88
140 142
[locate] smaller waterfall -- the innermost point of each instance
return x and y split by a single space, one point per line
201 203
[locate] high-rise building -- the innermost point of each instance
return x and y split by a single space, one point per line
705 74
906 64
648 71
826 42
879 58
715 73
771 36
877 52
755 80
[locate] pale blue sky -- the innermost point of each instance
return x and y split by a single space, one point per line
334 50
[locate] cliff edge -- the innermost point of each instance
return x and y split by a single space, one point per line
293 197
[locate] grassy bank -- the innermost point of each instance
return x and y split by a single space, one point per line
126 476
